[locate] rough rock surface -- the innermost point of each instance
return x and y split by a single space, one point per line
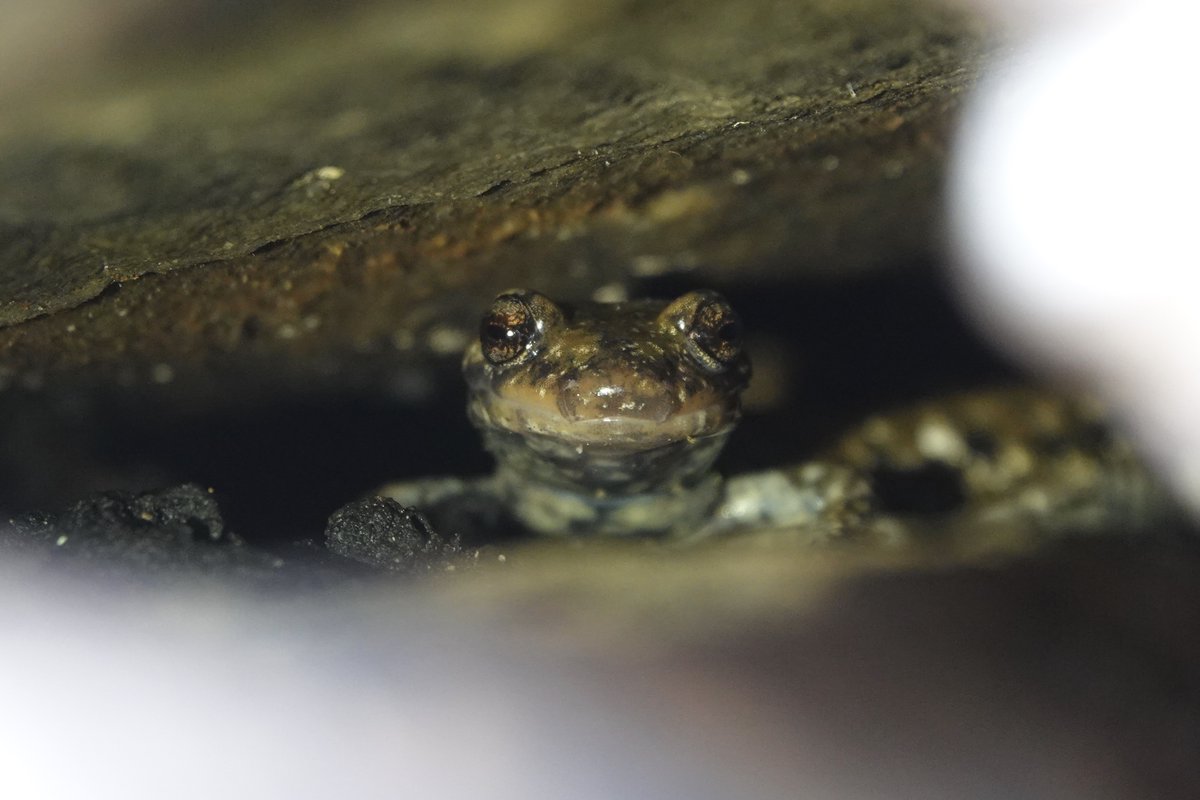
382 533
175 530
338 188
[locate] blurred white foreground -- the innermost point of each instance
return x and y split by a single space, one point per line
1074 201
209 692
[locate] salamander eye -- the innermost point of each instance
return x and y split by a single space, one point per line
714 335
507 330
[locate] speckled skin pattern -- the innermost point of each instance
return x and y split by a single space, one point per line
607 419
1019 457
610 417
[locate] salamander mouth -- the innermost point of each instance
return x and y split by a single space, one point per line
609 432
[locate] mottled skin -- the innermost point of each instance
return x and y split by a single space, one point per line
1006 461
607 419
610 419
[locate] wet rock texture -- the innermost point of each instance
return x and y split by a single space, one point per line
356 184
